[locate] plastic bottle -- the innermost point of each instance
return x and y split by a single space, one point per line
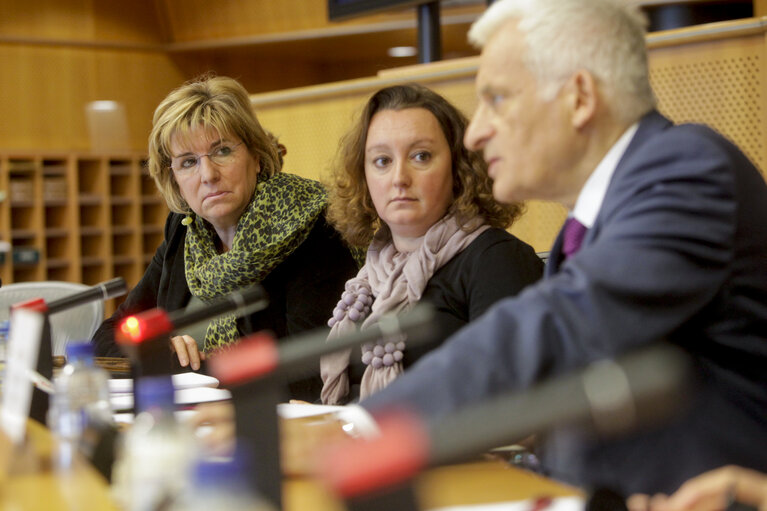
4 332
80 402
152 469
221 483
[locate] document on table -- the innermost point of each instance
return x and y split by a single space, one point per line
357 422
553 504
180 381
191 389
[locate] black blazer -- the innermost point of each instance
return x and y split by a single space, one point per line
302 290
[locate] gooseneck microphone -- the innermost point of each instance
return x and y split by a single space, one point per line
103 291
44 366
143 337
608 397
258 356
152 324
258 369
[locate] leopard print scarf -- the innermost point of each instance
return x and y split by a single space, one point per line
275 223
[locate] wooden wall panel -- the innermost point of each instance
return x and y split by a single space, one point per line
81 20
46 18
45 90
195 20
720 83
711 74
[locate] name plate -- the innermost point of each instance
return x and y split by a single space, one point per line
20 367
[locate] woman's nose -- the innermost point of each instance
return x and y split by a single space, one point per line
401 174
207 169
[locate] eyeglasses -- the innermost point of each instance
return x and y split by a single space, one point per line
189 164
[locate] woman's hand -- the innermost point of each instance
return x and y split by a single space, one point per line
186 348
711 491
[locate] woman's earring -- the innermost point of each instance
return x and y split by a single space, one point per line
187 221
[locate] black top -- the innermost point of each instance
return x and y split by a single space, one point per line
494 266
302 290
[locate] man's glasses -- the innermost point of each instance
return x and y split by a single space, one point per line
189 164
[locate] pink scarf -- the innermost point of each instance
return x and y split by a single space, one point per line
390 282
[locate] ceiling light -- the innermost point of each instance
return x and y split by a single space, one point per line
402 51
103 106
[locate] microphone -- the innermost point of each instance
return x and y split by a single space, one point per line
152 324
144 337
259 355
103 291
258 369
610 398
44 366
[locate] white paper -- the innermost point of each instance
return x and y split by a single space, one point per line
357 421
182 397
299 410
180 381
557 504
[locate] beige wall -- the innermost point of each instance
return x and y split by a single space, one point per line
59 55
711 74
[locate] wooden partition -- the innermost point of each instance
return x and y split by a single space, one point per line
710 73
715 74
78 217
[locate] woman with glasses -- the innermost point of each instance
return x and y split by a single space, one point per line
408 189
236 220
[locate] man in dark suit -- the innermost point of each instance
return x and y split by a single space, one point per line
673 222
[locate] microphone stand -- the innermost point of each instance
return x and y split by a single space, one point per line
103 291
144 336
400 497
257 371
611 398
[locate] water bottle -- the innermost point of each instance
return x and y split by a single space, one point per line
4 333
152 469
221 483
80 403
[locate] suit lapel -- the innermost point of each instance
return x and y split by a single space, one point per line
649 125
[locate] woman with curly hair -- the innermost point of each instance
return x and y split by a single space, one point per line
407 189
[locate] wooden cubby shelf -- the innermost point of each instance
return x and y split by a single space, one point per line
78 217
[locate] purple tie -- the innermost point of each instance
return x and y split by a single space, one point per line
572 237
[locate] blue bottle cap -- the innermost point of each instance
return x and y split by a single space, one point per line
155 392
79 351
223 472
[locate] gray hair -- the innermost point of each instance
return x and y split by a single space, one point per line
604 37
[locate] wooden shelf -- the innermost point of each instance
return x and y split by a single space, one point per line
117 200
90 200
82 212
15 203
57 263
123 260
56 232
92 261
123 230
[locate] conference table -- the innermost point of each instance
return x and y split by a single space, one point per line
32 483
